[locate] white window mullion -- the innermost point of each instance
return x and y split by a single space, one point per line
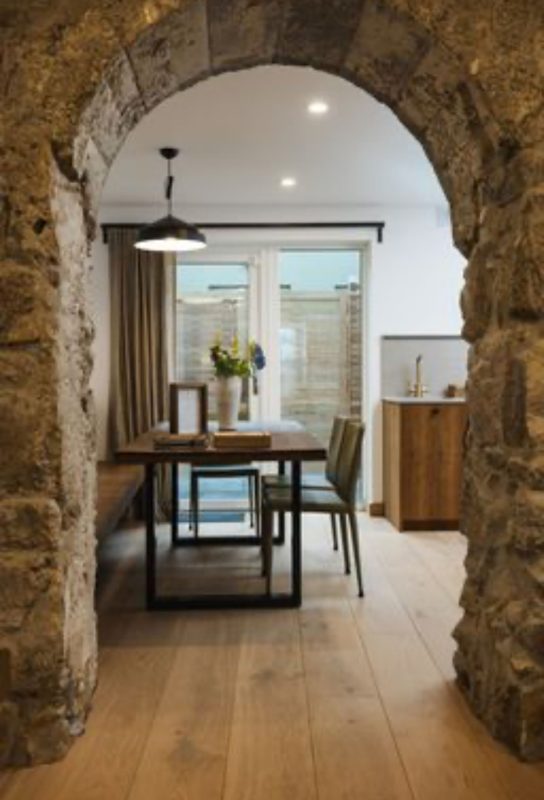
269 317
255 401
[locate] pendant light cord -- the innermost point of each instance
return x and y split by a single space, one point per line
169 187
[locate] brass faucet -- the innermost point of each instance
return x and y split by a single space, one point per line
418 389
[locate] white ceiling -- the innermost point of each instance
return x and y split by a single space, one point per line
240 133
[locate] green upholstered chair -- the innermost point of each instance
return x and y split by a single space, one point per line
326 481
337 501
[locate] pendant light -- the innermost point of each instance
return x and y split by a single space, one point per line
170 234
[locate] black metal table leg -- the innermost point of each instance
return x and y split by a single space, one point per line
195 502
290 599
281 517
258 508
296 548
251 496
150 540
175 504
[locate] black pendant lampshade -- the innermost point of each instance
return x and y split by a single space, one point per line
170 234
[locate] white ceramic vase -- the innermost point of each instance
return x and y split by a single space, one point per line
229 392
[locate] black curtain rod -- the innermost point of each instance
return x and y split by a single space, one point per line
378 226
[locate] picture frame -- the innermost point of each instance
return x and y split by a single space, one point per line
189 408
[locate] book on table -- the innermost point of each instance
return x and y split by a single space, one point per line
223 440
175 440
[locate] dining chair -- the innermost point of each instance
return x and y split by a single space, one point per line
225 472
339 501
197 414
320 482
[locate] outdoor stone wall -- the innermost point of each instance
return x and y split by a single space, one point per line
75 77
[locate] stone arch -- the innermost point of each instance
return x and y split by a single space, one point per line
76 80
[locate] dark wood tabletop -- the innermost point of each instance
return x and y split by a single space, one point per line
293 445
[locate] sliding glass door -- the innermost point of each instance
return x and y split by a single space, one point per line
304 305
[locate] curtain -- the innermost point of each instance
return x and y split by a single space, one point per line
139 326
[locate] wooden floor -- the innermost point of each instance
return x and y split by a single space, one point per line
346 698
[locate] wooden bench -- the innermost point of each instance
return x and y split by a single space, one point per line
117 485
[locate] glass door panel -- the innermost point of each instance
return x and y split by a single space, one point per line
320 337
212 300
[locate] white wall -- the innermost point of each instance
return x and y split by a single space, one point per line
414 282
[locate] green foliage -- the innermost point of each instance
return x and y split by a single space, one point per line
228 362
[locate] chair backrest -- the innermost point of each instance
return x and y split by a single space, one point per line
335 443
349 460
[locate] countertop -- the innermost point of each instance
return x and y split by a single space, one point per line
429 399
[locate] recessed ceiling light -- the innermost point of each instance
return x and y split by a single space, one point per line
318 107
288 182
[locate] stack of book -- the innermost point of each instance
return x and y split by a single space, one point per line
223 440
175 440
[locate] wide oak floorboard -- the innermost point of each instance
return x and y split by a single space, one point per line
344 699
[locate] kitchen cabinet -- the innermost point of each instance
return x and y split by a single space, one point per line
423 454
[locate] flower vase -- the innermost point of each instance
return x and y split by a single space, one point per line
229 392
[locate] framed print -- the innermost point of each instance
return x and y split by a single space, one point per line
189 408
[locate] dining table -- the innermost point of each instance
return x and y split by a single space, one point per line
289 445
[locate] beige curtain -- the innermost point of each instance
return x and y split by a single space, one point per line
139 330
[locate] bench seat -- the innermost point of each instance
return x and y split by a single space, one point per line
117 485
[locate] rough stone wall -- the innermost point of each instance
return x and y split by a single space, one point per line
75 77
500 656
41 671
78 468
